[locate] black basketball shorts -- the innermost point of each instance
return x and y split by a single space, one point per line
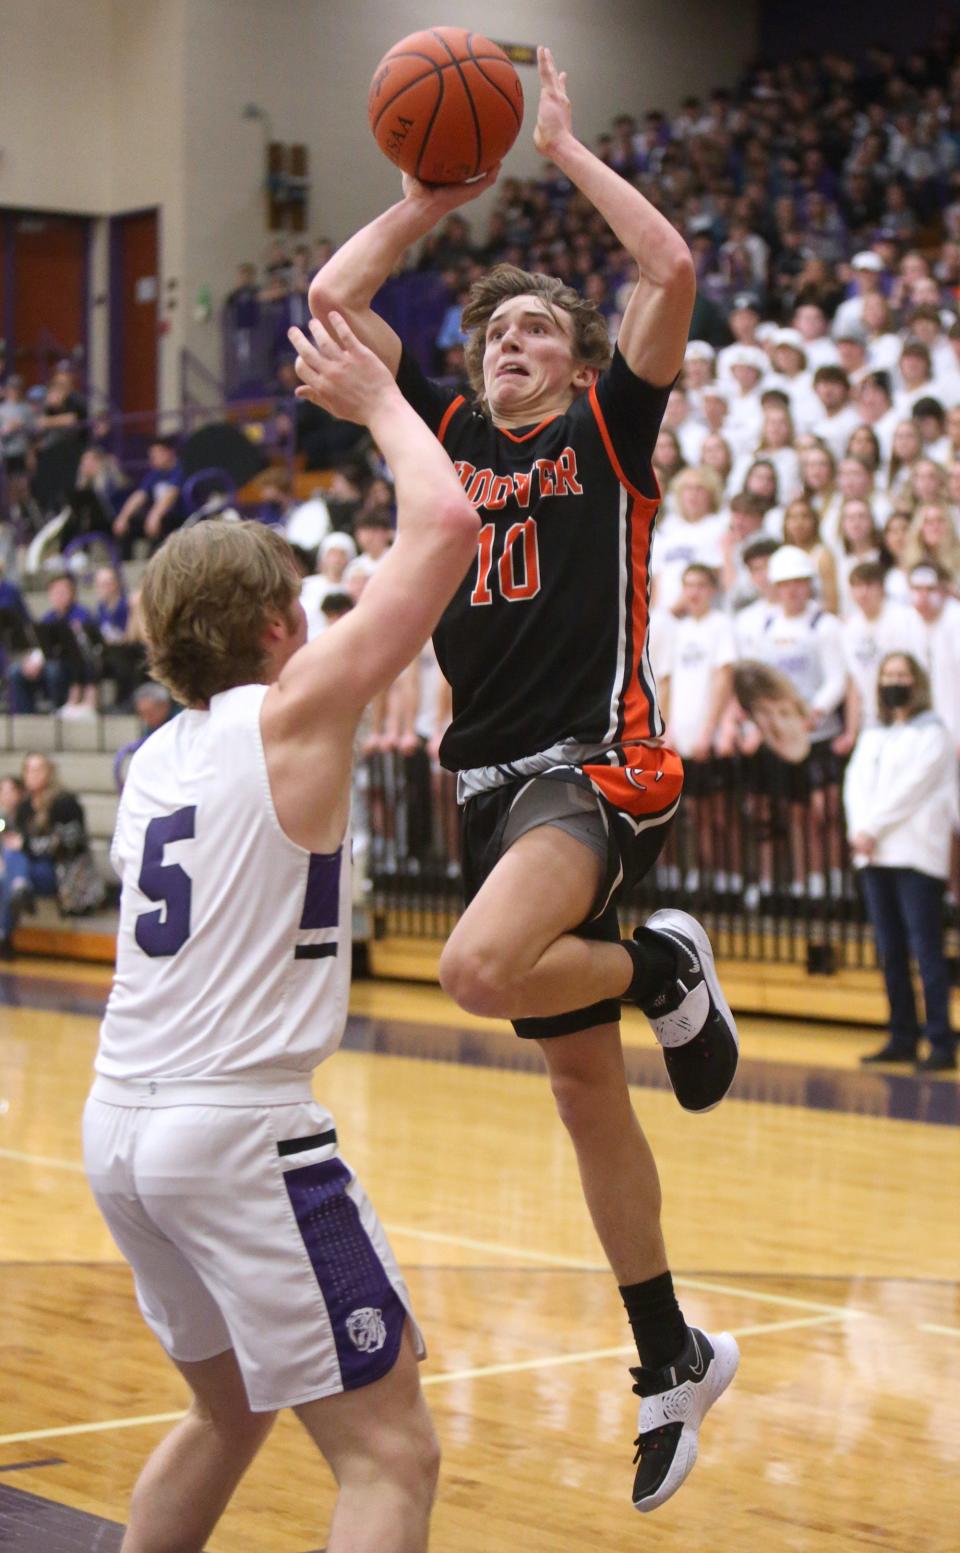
614 811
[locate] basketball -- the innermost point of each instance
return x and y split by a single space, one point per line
445 104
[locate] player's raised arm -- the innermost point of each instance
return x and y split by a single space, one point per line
653 333
436 537
351 278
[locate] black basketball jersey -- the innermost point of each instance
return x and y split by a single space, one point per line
546 639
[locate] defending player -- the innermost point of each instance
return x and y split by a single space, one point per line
568 789
258 1259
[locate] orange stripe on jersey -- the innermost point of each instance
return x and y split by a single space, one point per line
636 702
448 415
651 501
527 434
649 787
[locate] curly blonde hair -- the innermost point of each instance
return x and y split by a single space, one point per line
591 338
206 598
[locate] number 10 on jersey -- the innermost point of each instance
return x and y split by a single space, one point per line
517 570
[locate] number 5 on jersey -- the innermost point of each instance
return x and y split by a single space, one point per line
521 552
162 932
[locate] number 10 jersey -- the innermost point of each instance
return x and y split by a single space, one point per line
545 643
233 950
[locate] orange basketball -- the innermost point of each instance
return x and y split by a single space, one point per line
445 104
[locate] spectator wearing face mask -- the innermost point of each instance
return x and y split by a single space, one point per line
900 801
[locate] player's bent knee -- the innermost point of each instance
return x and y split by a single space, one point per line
582 1101
475 982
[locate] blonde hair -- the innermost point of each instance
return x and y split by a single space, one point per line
206 598
43 802
591 338
917 550
702 475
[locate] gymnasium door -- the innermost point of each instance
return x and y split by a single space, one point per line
46 277
134 312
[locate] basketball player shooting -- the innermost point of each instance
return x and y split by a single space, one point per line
258 1259
568 790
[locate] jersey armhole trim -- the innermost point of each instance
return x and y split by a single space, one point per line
651 503
448 415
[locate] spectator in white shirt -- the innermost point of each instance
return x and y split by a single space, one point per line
701 688
839 417
933 541
867 273
883 342
875 408
896 536
745 527
717 454
805 644
743 319
931 419
336 551
864 445
792 375
916 379
905 449
775 445
900 797
851 345
935 641
859 541
693 532
801 529
811 322
750 622
874 626
668 459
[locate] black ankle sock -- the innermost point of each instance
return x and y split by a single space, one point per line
654 964
659 1329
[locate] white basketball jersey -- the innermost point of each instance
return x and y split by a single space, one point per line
233 953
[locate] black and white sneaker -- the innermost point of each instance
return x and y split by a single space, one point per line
691 1017
673 1404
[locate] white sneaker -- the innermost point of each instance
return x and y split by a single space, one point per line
674 1402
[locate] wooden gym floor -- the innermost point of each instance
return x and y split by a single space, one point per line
814 1215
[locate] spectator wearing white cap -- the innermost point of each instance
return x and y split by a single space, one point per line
336 551
744 320
699 362
791 374
934 640
748 367
805 644
866 270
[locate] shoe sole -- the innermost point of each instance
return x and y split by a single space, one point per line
723 1368
688 927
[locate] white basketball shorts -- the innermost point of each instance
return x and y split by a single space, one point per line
246 1230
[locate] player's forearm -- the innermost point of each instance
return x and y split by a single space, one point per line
647 236
351 278
425 480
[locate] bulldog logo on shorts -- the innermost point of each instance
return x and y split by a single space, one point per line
366 1329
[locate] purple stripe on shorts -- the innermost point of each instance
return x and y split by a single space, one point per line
321 902
366 1313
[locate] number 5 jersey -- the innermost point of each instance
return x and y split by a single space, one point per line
545 643
233 950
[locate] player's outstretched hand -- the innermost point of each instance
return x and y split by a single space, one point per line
442 198
338 372
554 113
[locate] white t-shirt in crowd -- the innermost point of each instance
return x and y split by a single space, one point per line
749 626
808 649
865 645
676 543
937 647
836 430
699 647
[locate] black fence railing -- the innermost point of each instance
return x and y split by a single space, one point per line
757 852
